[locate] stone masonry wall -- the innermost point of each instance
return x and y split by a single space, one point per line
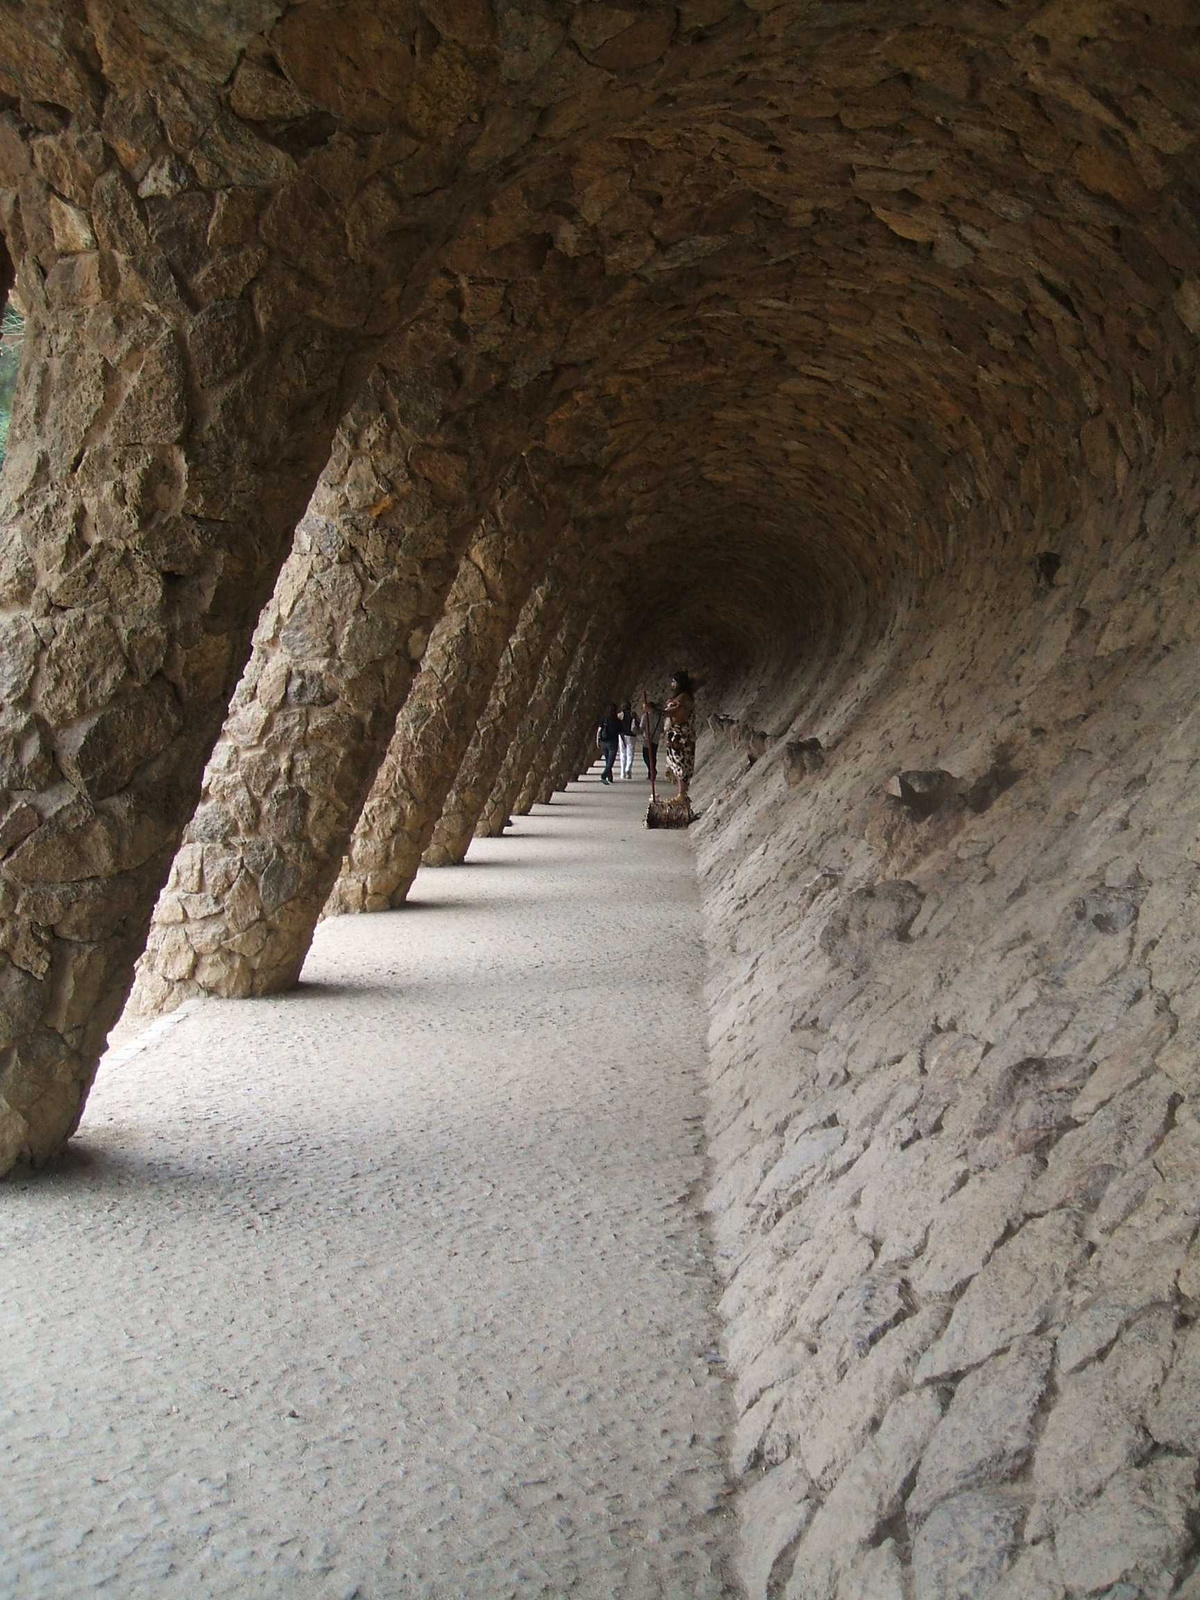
955 1070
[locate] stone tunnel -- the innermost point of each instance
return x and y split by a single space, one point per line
399 374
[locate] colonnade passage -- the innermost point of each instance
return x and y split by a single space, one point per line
401 382
394 1285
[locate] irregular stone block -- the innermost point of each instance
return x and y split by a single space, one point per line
864 1497
17 822
878 1574
1119 1135
868 919
1097 1428
802 759
965 1546
837 1418
775 1511
1136 1530
1034 1575
1174 1418
967 1227
925 792
1016 1293
799 1163
988 1431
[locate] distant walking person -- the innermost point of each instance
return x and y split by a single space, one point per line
679 711
650 724
608 738
629 725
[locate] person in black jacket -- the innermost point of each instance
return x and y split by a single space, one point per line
608 737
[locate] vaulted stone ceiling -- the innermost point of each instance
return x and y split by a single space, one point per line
804 281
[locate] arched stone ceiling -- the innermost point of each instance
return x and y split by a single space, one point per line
836 284
810 284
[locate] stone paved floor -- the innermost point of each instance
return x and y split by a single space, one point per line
394 1286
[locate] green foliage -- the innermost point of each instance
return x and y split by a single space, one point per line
12 332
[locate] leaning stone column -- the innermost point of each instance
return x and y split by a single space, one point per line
514 684
497 813
566 728
539 786
168 428
578 747
575 738
450 694
333 659
577 751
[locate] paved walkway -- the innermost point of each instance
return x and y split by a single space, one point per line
394 1286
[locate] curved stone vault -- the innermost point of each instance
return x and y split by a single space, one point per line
490 357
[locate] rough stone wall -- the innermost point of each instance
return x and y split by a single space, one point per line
955 1079
802 284
875 329
218 218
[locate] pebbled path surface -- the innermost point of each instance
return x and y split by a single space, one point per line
394 1286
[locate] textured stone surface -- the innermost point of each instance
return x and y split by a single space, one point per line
166 437
217 222
956 1114
533 729
966 1546
450 693
564 728
988 1431
514 686
334 655
871 334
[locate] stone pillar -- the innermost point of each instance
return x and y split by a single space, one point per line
439 717
532 728
555 766
578 749
334 656
538 785
169 424
596 690
576 744
588 754
510 695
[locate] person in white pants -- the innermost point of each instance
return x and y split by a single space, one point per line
629 727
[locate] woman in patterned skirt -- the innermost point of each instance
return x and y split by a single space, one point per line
679 731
